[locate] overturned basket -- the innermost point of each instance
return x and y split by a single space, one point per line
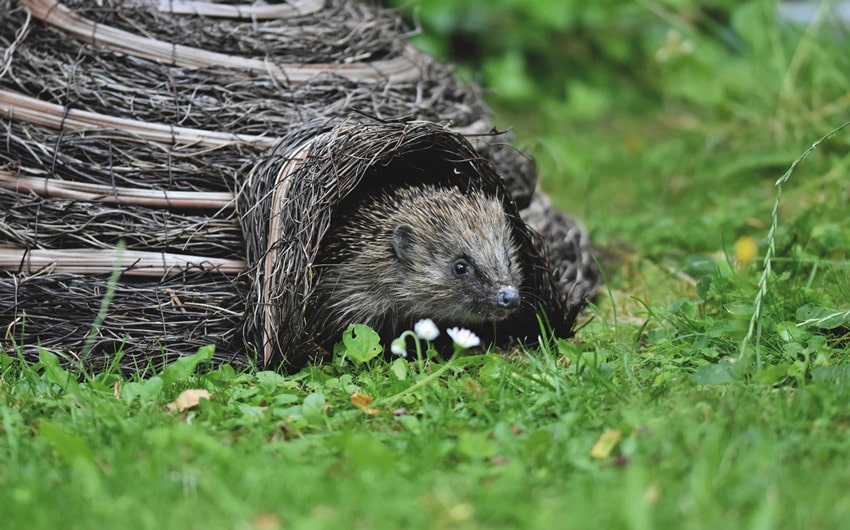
219 162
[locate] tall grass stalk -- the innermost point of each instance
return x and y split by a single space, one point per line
755 325
104 304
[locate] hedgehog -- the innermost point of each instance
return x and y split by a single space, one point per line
417 252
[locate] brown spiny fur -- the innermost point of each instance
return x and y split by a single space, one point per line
373 272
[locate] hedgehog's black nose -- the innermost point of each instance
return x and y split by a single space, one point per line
508 297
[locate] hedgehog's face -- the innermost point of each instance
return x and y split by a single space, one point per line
462 278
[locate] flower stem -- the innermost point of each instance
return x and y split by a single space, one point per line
422 382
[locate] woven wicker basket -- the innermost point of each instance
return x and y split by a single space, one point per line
217 164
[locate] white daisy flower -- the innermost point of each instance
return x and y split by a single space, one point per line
425 329
398 347
463 337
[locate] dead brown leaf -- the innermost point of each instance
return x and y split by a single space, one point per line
188 399
361 401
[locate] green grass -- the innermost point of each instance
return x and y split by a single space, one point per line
661 413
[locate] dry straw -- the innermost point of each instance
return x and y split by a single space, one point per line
216 141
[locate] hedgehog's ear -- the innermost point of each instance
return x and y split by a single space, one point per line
404 240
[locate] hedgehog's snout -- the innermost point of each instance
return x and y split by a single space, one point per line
508 297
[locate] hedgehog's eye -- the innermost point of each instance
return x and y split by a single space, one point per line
461 267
